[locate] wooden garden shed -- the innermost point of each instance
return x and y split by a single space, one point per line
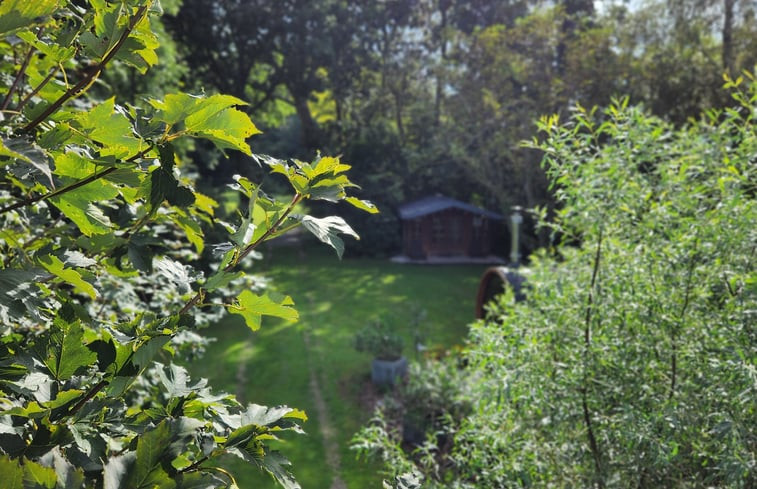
442 227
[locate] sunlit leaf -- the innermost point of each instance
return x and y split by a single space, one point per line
80 206
39 477
252 307
12 473
53 265
15 14
363 205
110 127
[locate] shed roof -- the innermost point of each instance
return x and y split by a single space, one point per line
431 205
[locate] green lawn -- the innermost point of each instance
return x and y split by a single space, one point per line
334 298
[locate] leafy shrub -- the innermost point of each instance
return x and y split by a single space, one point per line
631 362
380 340
432 404
100 277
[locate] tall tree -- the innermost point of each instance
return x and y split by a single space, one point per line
265 50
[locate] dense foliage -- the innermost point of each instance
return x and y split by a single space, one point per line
105 268
427 96
632 361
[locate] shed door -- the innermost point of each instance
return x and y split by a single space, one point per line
479 244
414 239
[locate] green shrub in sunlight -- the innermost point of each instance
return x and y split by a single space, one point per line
101 281
632 361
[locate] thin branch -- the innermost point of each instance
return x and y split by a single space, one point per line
674 332
198 296
195 466
728 285
295 200
69 188
88 396
593 445
54 193
91 75
18 78
39 87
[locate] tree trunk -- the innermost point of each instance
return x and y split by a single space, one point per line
398 115
728 36
440 69
310 132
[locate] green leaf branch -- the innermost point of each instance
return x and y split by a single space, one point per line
72 186
18 78
587 415
97 298
93 73
247 250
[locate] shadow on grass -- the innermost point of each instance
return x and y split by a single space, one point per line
334 298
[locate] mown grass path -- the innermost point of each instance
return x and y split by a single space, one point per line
312 365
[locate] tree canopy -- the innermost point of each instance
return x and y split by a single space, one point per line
433 96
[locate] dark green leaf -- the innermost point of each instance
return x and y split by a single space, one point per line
151 447
162 183
241 435
140 257
180 196
275 464
66 352
220 279
147 350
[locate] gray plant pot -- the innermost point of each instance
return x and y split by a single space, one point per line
387 371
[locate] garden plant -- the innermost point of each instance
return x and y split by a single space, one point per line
631 362
105 269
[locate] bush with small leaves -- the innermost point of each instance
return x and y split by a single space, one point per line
631 363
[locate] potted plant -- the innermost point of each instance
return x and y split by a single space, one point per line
380 340
434 401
